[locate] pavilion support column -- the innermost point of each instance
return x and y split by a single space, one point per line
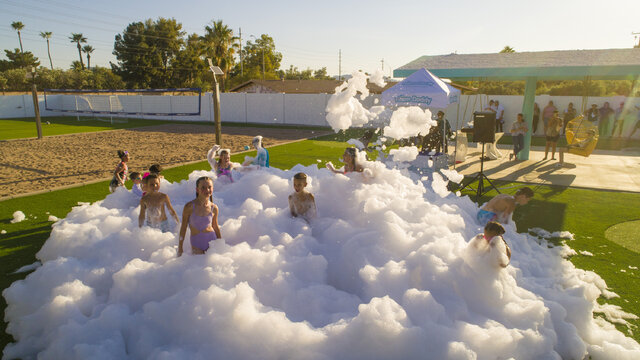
527 111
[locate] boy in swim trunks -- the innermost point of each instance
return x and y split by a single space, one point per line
502 206
302 202
152 206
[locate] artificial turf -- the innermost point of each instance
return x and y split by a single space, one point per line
586 213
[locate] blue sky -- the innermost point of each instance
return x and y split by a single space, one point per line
310 34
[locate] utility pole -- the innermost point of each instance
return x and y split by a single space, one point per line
241 70
216 101
339 64
36 107
636 34
382 61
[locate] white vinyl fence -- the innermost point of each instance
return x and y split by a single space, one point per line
291 109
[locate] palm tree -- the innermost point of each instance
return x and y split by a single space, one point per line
88 49
78 38
47 35
220 45
17 26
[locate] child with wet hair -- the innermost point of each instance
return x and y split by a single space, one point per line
136 178
492 244
152 206
301 202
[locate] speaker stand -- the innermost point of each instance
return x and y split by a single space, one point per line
480 177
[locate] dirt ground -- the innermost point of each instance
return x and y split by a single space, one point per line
30 165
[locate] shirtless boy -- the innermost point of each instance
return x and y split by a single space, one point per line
152 205
301 202
502 206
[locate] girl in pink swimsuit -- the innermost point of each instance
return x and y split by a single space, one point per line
201 215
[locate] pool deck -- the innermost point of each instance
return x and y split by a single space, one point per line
602 170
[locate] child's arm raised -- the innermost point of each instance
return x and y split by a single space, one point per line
186 213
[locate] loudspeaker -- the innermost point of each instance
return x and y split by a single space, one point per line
484 127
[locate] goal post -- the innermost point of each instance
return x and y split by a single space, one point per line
118 104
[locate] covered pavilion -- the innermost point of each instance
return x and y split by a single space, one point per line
586 65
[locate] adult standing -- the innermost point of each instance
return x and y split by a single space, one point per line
547 113
499 116
621 114
518 130
593 114
569 114
637 126
553 133
605 115
490 107
536 118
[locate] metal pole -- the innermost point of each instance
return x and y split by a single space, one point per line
263 63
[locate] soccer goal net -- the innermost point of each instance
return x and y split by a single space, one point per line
118 105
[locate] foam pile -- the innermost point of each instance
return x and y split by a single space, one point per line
384 272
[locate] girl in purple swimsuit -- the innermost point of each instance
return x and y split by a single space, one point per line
201 214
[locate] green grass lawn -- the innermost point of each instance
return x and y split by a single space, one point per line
586 213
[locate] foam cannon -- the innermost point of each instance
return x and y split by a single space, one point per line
216 100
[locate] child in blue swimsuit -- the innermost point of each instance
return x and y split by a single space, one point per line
201 215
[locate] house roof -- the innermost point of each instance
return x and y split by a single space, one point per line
560 64
304 86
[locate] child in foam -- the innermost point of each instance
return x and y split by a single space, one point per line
152 206
491 244
502 206
349 157
223 165
120 173
262 157
136 177
201 214
302 202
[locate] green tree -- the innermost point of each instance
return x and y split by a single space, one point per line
507 49
145 52
47 35
76 65
19 59
78 39
321 74
221 46
18 26
88 49
261 54
3 83
190 68
16 79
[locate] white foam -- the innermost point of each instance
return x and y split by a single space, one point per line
383 272
18 216
404 153
409 121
